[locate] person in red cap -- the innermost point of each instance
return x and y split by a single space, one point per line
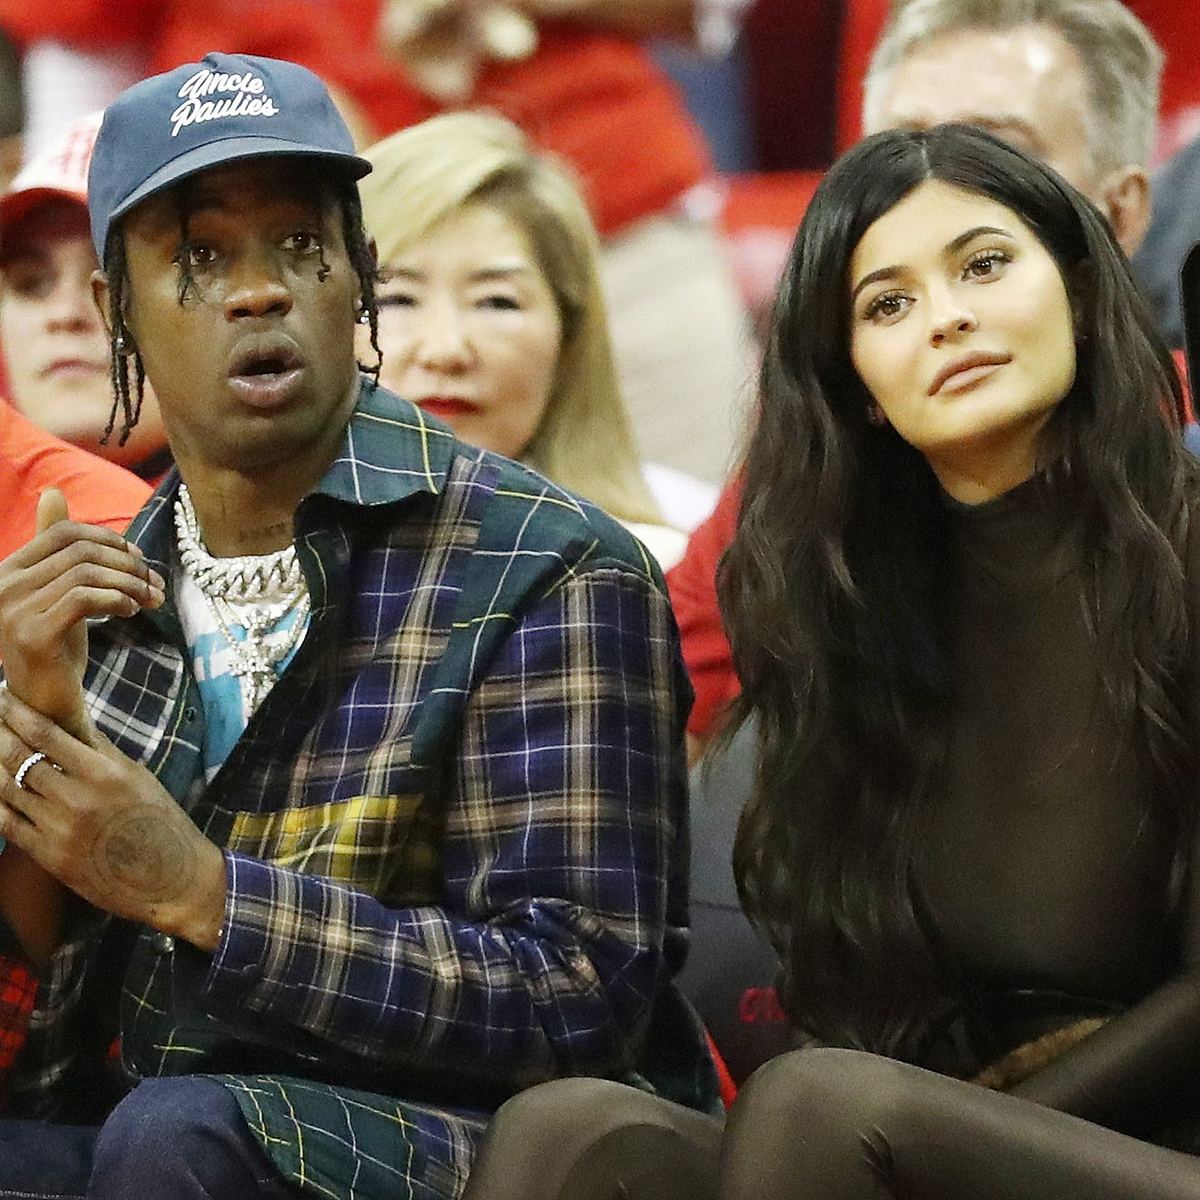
53 340
47 320
56 356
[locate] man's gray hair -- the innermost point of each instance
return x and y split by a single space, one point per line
1121 59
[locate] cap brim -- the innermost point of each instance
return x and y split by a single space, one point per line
20 204
233 149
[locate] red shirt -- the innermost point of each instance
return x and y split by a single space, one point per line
97 492
692 585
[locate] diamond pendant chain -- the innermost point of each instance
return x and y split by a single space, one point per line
255 660
252 592
253 577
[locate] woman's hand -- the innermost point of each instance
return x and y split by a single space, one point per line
105 827
48 589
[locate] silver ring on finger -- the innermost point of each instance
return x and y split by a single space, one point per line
32 761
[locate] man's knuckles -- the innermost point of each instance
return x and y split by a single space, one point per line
72 533
22 734
12 754
93 576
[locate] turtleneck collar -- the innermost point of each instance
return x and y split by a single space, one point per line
1018 544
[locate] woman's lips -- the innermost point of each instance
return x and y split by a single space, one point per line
967 378
446 407
966 371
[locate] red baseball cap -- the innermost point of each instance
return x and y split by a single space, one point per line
59 172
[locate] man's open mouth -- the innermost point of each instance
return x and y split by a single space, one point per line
265 361
266 371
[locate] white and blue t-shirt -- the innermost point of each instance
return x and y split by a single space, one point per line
225 697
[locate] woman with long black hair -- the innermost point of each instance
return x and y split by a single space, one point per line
964 602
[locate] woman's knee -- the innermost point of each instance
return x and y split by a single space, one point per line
568 1109
821 1080
590 1138
844 1098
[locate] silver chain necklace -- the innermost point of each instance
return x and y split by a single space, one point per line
254 592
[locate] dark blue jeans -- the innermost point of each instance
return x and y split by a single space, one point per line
170 1139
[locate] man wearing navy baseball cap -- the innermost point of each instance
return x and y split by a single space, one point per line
346 796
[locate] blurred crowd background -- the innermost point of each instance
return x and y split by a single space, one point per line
776 103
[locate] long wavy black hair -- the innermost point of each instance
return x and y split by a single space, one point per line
831 588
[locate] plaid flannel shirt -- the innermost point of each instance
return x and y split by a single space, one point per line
455 830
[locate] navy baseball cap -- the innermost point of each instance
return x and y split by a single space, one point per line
223 108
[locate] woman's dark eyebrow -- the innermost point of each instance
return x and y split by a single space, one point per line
952 247
956 244
874 277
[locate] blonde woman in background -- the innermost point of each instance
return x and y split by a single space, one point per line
492 318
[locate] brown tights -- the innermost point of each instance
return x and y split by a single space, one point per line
816 1125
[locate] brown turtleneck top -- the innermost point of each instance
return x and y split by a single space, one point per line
1045 864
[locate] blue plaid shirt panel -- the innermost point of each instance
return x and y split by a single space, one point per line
455 830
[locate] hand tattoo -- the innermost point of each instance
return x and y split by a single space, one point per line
144 855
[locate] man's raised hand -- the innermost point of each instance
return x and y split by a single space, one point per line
49 588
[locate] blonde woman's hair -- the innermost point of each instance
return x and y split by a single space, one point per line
426 173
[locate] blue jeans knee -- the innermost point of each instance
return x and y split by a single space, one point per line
182 1137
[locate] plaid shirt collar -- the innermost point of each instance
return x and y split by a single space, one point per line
383 430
